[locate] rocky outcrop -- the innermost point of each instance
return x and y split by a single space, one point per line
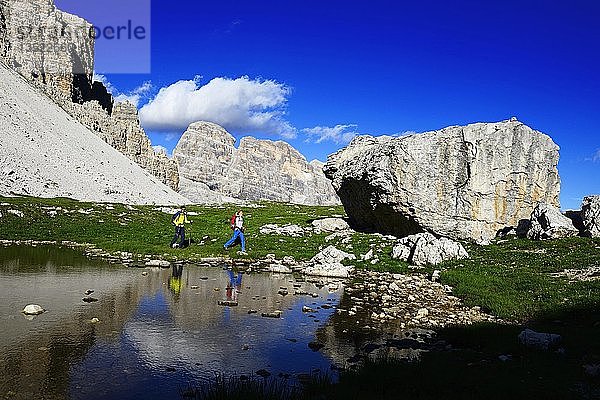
256 170
590 212
425 249
48 47
462 182
55 52
328 263
44 152
546 222
121 129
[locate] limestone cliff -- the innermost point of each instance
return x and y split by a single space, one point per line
256 170
54 51
464 182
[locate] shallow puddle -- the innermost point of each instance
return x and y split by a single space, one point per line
158 331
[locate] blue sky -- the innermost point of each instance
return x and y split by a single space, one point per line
303 68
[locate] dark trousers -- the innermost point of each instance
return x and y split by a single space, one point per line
179 233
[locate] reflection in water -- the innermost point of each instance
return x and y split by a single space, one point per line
234 286
157 333
175 281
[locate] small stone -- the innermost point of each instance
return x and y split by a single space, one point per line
33 309
89 299
274 314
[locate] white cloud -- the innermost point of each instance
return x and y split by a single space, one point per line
339 134
240 105
136 95
596 156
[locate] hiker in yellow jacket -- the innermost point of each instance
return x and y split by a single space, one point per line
179 220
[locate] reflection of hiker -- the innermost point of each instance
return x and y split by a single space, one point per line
175 282
234 286
237 224
179 219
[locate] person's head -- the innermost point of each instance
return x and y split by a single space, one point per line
182 208
240 213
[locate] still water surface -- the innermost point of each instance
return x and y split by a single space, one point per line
158 333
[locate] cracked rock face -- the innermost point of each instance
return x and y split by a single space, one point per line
462 182
256 170
590 211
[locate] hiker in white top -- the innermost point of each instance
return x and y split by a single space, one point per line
237 224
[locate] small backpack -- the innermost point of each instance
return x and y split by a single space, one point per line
175 216
233 217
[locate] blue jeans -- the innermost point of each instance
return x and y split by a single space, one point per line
179 233
236 234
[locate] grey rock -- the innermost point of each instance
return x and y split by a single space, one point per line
331 255
462 182
425 249
547 222
286 230
158 263
590 210
539 340
280 269
329 225
256 170
328 263
33 309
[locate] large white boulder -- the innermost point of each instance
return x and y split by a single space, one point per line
425 249
462 182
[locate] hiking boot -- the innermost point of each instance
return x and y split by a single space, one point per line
242 253
174 245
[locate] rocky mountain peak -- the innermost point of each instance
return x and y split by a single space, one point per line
257 170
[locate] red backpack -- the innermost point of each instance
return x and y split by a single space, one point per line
233 220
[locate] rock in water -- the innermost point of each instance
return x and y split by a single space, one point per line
547 222
425 249
462 182
590 210
256 170
33 309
